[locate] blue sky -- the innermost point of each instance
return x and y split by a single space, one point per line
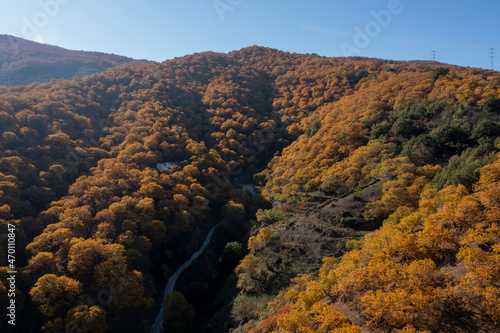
460 31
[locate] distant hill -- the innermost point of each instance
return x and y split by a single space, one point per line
23 62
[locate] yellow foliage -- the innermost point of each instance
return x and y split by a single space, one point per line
320 318
261 240
396 275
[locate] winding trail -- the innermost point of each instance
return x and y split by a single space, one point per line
169 288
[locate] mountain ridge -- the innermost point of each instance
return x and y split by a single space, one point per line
23 61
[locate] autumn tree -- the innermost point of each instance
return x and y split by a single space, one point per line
54 293
179 313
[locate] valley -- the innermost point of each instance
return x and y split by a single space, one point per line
294 192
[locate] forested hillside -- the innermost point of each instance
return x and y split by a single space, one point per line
377 195
23 62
